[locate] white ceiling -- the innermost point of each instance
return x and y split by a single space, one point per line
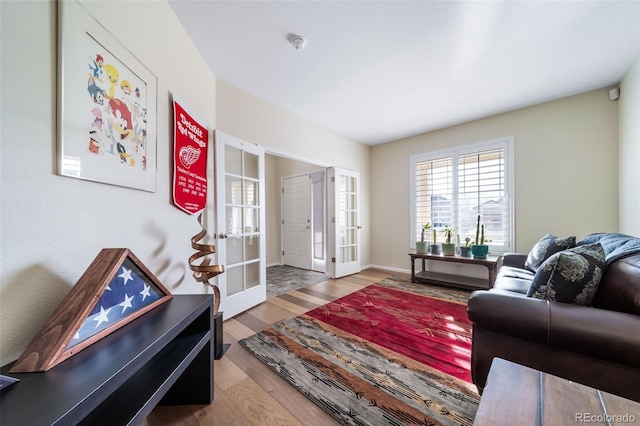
377 71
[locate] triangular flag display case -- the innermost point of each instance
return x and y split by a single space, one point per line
116 289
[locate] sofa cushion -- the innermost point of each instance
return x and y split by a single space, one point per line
570 276
514 260
511 284
511 272
547 246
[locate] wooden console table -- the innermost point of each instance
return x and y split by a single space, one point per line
519 395
491 263
165 356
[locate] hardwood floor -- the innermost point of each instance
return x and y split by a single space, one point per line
246 391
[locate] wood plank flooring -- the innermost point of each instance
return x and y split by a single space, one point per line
246 391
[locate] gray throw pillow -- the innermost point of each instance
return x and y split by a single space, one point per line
570 276
548 245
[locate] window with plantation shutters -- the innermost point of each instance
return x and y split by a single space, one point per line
451 188
434 192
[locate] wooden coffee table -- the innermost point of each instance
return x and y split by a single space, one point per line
491 263
519 395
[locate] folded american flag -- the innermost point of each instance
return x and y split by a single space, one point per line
127 293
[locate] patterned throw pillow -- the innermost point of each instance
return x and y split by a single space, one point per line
544 248
570 276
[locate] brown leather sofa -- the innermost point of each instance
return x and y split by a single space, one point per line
598 346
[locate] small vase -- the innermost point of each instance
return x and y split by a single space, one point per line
422 247
465 251
480 251
448 249
435 248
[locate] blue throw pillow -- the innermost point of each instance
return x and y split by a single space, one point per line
548 245
570 276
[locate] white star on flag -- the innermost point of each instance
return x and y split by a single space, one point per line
145 292
102 316
127 303
125 275
127 292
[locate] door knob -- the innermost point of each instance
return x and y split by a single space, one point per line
222 235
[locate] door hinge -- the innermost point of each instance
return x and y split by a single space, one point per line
333 220
283 190
283 221
333 260
333 179
283 252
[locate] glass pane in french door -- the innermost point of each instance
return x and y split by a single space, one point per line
235 253
235 279
251 165
242 219
253 274
347 214
232 160
233 190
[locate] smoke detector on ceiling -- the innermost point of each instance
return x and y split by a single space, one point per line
298 42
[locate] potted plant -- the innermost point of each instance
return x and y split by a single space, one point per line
422 246
465 250
435 247
448 248
479 249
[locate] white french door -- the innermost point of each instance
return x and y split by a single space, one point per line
240 224
296 221
344 208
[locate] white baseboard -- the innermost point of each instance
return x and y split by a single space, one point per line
363 267
386 268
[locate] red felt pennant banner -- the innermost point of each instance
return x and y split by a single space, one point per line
190 141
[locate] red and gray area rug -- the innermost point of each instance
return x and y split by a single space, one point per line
392 353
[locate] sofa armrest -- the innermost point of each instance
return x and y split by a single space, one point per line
591 331
597 332
510 313
515 260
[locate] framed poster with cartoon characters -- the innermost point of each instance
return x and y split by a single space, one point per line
106 105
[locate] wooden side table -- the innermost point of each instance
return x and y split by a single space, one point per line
519 395
491 263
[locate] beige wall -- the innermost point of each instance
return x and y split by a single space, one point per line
272 210
566 159
251 119
629 124
53 226
278 168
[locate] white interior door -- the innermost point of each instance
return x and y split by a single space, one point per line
240 224
344 208
296 221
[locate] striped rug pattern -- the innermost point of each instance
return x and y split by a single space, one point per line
367 361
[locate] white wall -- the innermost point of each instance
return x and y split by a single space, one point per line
253 120
566 175
629 124
53 226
